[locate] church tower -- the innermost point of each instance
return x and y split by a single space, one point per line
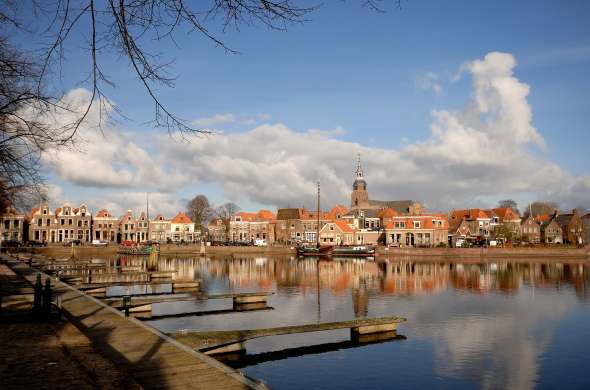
360 196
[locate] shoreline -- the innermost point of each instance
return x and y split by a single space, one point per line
381 252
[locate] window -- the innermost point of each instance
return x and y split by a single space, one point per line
15 223
70 221
63 222
417 224
48 221
45 211
40 222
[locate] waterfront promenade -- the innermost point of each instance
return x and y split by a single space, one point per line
151 358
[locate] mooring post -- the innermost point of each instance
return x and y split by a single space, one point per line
126 304
47 297
38 291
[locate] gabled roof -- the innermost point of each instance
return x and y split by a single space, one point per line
506 214
288 213
343 226
181 218
387 212
543 218
104 213
337 210
159 217
470 214
265 215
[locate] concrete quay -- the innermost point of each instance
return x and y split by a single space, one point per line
151 358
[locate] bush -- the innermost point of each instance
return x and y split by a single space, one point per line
441 245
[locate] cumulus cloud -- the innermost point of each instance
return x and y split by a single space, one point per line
476 152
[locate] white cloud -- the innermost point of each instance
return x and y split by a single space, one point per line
429 82
471 154
217 119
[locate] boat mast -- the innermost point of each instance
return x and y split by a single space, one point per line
147 212
317 235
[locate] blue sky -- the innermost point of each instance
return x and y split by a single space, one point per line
378 76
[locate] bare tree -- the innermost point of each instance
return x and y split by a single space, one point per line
509 203
225 212
540 208
199 210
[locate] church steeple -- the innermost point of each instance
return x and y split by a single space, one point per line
359 168
359 196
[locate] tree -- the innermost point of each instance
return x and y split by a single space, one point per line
199 210
510 204
540 208
225 212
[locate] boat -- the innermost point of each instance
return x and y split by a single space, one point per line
314 250
137 250
354 251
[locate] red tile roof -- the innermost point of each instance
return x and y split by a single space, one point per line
506 214
265 215
181 218
103 213
387 213
470 214
343 226
337 210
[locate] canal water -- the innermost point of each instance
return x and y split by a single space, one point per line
498 324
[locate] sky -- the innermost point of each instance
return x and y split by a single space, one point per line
454 104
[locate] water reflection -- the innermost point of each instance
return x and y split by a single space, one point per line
471 324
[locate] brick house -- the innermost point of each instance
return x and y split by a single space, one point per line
417 230
72 224
460 232
42 224
586 222
507 218
143 227
105 226
217 230
480 221
530 230
337 233
247 227
551 232
160 229
127 227
572 227
13 226
182 228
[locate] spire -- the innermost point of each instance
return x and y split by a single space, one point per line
359 169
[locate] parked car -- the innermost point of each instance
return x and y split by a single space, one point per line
99 243
36 243
260 242
73 242
11 243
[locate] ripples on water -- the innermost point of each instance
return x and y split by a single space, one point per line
501 324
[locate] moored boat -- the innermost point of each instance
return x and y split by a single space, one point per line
314 250
354 250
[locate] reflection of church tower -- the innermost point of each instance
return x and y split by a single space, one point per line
360 196
360 301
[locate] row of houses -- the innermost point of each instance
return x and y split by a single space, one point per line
505 223
68 223
366 221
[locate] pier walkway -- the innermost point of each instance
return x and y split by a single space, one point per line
153 359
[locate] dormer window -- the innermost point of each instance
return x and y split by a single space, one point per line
417 224
45 211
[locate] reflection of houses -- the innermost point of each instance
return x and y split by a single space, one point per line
337 233
572 227
105 226
417 230
217 230
183 229
247 227
160 229
12 226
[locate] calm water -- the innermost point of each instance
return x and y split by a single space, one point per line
502 324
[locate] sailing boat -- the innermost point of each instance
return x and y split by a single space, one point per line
317 249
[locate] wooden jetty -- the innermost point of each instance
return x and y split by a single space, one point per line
153 359
218 342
